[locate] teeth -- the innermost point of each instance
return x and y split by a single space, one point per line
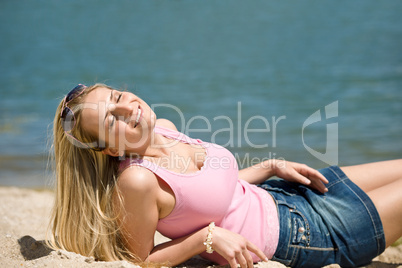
138 116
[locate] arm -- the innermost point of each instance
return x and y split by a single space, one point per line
139 188
258 173
139 212
287 170
233 247
179 250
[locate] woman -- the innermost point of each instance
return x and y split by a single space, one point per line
193 192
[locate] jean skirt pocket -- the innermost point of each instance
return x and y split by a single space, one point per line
304 240
300 229
341 226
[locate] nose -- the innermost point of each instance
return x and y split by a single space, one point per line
122 109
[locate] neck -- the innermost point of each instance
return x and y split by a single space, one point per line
156 148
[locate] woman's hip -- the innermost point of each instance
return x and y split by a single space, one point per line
341 226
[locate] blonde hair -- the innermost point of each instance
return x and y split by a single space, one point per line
87 203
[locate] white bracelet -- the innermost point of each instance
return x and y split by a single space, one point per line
208 241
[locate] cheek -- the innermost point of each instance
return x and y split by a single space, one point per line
126 135
113 137
136 137
120 132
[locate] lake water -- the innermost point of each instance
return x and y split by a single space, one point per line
223 67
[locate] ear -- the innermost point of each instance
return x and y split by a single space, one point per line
112 152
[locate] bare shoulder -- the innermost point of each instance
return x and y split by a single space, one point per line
137 179
139 189
166 123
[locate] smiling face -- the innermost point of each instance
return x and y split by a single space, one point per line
120 120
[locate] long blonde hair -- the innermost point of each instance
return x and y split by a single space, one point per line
85 218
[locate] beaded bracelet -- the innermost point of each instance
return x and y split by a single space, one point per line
208 241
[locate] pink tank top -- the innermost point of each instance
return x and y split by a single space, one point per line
214 193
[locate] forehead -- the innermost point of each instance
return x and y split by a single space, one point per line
94 109
97 95
95 103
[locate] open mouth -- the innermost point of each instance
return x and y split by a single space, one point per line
138 118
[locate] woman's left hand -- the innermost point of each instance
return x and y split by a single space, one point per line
300 173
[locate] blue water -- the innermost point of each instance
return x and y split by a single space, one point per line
271 59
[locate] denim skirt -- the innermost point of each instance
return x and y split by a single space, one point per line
341 226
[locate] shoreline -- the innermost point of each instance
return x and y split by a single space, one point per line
25 217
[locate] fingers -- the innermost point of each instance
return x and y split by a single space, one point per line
301 178
316 184
318 181
302 174
244 258
319 186
253 248
312 173
311 177
232 263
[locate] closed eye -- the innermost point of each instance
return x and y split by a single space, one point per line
119 97
112 118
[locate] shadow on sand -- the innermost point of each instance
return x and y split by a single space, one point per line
32 249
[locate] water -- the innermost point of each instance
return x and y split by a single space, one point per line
272 59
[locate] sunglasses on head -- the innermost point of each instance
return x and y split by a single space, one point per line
68 119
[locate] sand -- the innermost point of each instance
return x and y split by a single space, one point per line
24 215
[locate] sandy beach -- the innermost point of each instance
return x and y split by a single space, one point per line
24 219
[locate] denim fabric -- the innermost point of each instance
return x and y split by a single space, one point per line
341 226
